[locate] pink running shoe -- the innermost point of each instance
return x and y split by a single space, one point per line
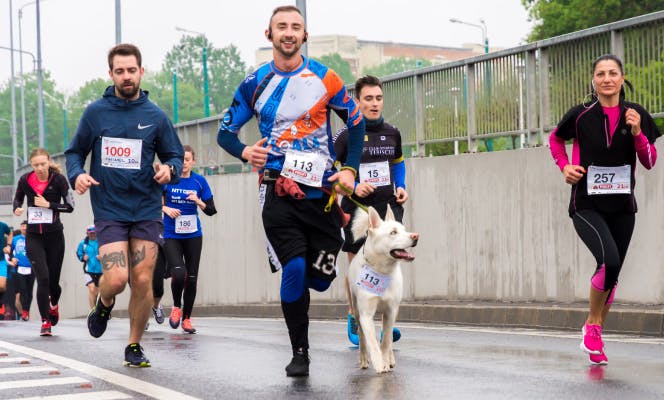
592 339
598 359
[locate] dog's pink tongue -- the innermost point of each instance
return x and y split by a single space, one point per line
403 254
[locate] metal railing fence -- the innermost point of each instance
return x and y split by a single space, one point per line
520 93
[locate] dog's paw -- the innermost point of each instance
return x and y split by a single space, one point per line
364 364
383 368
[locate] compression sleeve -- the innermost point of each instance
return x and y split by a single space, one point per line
399 173
646 151
209 207
558 150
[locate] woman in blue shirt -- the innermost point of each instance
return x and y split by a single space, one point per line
88 253
184 238
25 279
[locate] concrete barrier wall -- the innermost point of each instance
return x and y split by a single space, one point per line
494 226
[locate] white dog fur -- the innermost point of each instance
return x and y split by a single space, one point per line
383 252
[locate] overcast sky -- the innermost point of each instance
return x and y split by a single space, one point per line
76 34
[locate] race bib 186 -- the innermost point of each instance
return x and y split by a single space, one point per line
121 153
186 224
609 180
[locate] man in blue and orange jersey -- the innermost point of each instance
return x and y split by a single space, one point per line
292 97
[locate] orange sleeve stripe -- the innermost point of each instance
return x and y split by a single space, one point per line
332 82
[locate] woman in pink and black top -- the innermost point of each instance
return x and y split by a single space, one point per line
608 135
45 187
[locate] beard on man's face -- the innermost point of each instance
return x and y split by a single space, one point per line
127 89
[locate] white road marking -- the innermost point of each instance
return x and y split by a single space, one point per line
27 383
106 395
22 370
127 382
608 337
16 360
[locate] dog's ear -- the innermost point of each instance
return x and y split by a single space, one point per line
389 215
374 218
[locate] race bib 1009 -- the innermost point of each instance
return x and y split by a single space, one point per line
121 153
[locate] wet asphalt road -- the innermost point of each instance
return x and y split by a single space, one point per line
232 358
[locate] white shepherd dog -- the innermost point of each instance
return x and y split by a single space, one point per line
377 283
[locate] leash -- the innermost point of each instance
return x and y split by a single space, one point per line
348 193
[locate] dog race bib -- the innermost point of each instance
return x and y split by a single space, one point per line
372 281
375 173
609 180
23 270
40 215
305 168
186 224
121 153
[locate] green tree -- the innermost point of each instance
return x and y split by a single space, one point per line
225 70
160 87
395 66
339 65
557 17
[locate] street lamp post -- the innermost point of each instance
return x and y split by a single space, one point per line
34 63
485 42
12 125
40 108
206 95
175 95
65 130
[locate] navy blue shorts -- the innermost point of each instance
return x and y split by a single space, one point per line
120 231
92 278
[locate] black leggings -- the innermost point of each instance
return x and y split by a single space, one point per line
24 286
183 257
607 236
46 252
159 275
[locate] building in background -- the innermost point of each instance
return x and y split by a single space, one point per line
362 54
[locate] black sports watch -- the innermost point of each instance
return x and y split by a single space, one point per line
172 169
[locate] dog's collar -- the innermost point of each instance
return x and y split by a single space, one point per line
368 262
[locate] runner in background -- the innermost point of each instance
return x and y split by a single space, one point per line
88 253
184 237
48 195
25 278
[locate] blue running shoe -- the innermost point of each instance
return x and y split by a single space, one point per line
134 356
98 318
352 330
396 335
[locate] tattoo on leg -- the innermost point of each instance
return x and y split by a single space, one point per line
137 256
115 259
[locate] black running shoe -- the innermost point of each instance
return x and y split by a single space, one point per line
299 365
134 356
98 318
